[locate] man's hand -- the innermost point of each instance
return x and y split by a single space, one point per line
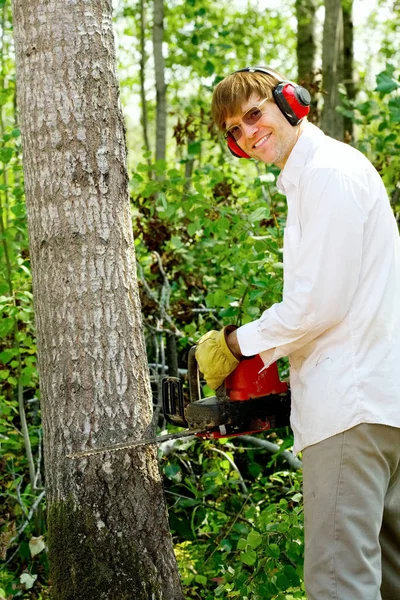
214 357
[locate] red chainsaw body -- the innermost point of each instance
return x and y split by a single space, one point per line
251 399
251 379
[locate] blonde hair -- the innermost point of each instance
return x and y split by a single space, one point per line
235 90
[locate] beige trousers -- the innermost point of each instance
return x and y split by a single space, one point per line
352 515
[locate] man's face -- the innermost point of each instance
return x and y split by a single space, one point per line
271 138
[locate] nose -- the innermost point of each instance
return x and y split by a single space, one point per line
249 130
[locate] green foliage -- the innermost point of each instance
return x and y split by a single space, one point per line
21 536
237 522
378 128
219 241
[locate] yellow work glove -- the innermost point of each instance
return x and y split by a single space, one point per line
214 358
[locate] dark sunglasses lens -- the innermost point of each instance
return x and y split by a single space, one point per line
252 116
235 133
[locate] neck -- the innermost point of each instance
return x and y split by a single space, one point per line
298 130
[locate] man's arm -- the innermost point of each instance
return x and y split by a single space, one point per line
326 270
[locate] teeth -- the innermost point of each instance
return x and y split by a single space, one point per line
261 141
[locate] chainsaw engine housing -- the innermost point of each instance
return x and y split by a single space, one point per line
250 400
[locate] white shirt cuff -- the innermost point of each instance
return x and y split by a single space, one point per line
250 340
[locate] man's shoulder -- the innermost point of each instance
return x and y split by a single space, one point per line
332 158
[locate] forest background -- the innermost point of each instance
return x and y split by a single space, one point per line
208 240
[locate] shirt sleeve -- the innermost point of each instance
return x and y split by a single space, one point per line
325 270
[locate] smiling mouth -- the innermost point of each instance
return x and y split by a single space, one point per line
262 140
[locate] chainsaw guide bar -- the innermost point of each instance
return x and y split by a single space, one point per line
128 445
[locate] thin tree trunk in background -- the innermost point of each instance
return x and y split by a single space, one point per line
108 531
161 130
348 62
161 116
306 52
332 68
143 119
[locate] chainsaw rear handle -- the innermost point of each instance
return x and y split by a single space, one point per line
193 376
172 392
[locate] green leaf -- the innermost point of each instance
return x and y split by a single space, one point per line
193 228
291 574
297 497
249 557
254 539
394 107
262 212
201 579
386 83
7 355
241 545
209 68
173 472
6 325
18 209
273 550
226 545
6 154
194 148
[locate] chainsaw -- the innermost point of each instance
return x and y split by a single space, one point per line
252 399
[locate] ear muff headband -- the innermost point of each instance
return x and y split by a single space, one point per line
292 100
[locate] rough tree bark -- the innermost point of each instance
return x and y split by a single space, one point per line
306 49
108 532
161 88
143 118
161 134
332 68
348 62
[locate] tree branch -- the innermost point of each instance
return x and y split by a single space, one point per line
294 462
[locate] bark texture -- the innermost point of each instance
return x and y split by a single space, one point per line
348 62
332 68
161 133
108 531
306 49
144 119
161 89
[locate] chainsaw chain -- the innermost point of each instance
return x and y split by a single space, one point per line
128 445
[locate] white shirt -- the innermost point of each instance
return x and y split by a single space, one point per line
339 319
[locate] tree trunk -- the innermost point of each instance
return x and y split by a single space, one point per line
161 117
348 62
332 68
108 532
161 130
307 52
143 118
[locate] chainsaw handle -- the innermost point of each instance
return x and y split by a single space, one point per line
193 376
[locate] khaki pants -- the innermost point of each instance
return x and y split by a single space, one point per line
352 515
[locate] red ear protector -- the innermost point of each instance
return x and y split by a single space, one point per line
292 100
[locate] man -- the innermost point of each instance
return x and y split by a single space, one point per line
339 323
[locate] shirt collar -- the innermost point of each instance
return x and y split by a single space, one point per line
298 157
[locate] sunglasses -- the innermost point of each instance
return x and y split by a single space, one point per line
250 117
